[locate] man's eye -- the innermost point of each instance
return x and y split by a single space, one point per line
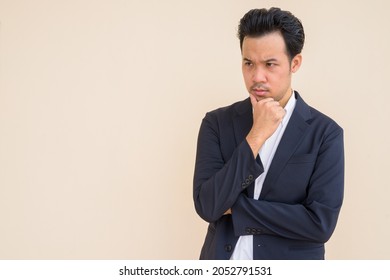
270 64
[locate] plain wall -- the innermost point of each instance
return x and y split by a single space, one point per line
101 102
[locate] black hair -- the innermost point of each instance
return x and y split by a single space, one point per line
259 22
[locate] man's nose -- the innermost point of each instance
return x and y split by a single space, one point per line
259 75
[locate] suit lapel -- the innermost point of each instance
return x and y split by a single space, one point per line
242 124
243 120
295 130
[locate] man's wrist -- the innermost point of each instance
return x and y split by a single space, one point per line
255 142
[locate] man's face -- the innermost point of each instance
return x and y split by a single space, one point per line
266 67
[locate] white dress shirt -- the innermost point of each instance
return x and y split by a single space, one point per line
244 247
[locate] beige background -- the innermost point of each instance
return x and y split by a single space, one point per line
101 102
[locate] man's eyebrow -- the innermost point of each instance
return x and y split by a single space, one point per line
271 60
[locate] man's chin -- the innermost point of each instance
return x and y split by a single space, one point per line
258 98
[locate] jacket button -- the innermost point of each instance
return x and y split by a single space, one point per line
248 230
228 248
250 177
247 181
244 185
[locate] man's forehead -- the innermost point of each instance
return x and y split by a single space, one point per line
270 46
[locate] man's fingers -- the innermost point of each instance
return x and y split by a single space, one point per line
261 101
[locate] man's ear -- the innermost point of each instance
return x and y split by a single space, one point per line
296 63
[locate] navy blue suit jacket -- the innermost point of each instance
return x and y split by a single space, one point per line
301 196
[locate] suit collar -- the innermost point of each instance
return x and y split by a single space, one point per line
302 108
243 107
242 120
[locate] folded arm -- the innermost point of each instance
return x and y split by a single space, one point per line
218 183
314 219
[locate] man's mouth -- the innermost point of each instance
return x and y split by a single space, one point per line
259 91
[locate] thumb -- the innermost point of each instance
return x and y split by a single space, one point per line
253 100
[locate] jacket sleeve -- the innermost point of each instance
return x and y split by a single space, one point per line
219 182
312 220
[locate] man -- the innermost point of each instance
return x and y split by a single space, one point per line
269 172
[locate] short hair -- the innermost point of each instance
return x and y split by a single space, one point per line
260 22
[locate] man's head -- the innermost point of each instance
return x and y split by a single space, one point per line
260 22
271 42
